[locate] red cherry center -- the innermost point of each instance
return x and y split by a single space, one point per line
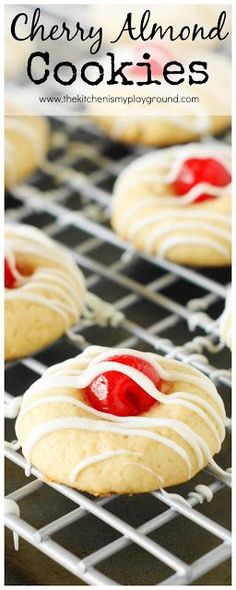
159 56
115 393
10 280
196 170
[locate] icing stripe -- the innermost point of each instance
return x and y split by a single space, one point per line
177 426
180 241
60 287
160 169
98 426
144 203
97 459
201 493
79 372
145 468
143 164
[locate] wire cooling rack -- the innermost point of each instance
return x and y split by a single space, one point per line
147 539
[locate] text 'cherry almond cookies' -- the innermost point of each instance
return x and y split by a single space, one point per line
45 293
121 421
26 144
142 106
176 204
177 22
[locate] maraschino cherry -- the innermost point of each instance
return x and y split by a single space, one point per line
196 170
159 55
115 393
9 277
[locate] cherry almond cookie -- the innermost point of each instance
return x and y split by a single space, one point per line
26 144
120 421
146 104
44 291
176 204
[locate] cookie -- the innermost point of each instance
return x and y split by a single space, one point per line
16 52
120 421
44 291
160 132
175 204
26 144
162 115
225 322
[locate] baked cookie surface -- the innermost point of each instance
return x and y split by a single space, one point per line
176 203
167 422
26 144
160 132
16 52
44 294
167 121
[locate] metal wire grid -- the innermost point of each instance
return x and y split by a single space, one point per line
70 199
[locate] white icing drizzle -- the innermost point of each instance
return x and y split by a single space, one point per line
225 321
79 372
11 409
65 281
11 507
14 445
101 312
74 337
145 468
198 303
201 342
99 426
145 164
171 496
177 224
200 318
188 198
198 120
190 240
200 448
183 215
201 493
97 459
28 469
193 226
81 379
59 285
217 470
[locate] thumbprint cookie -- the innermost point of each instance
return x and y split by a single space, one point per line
144 108
44 291
120 421
26 144
175 204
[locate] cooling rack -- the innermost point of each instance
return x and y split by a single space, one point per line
146 539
